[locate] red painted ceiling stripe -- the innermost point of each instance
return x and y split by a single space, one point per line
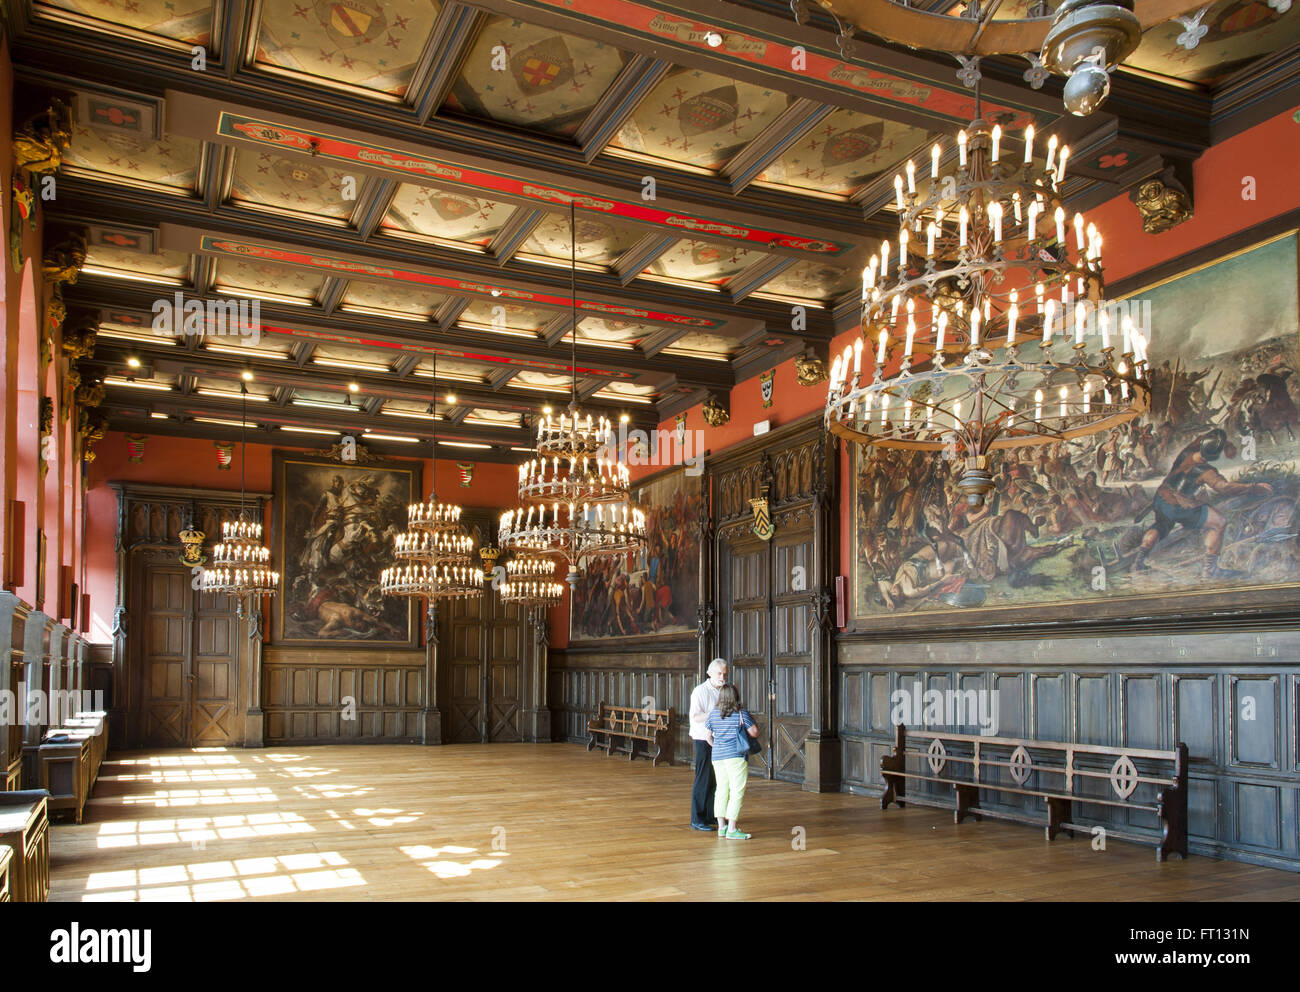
373 157
326 263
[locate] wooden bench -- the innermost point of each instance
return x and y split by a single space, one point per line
6 869
24 827
1063 775
634 726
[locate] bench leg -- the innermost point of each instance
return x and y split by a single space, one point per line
1058 812
631 748
895 785
591 739
609 745
1171 805
968 800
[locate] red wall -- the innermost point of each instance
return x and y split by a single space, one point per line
173 461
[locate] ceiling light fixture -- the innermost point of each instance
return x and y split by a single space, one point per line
240 562
990 301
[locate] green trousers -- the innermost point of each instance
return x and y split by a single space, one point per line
732 774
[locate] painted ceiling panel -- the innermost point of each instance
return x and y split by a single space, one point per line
599 243
357 44
267 279
699 118
628 391
455 370
126 154
540 380
505 315
187 21
168 266
446 216
610 332
230 390
842 153
702 262
494 418
411 410
298 186
358 358
392 298
1236 31
810 281
533 77
266 348
698 345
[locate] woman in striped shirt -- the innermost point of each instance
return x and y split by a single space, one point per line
729 727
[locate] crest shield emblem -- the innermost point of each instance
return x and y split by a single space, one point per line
542 67
762 519
680 421
709 111
766 385
466 470
351 23
192 547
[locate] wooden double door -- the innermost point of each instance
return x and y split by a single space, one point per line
482 651
764 634
186 660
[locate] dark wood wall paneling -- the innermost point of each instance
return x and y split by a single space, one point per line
1230 696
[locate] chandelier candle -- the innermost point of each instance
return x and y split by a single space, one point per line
967 351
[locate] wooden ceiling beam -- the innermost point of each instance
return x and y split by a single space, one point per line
797 120
618 103
453 37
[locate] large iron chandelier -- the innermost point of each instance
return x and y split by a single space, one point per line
435 555
987 318
575 493
240 562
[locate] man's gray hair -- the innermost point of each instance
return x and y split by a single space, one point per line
716 665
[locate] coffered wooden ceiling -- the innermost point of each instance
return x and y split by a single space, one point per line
390 180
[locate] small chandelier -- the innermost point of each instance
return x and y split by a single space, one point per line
240 562
432 582
994 299
435 552
576 462
575 533
530 581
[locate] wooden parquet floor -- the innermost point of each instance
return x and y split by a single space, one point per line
534 822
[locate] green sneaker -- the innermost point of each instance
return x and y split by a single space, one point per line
735 835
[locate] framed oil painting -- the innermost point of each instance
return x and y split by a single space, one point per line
1190 507
333 529
654 591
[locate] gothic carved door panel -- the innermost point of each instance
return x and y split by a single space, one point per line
483 642
165 651
791 655
763 602
214 671
187 661
462 640
506 671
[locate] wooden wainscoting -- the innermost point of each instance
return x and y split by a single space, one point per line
582 680
1231 697
306 691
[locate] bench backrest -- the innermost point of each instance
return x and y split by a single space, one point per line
1084 771
631 718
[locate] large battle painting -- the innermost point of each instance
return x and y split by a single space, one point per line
655 591
1197 494
334 536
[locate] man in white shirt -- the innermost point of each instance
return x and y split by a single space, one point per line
703 699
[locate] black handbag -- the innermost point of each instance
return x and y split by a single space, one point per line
754 746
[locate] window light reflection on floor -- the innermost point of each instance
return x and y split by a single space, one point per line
433 859
215 880
193 830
